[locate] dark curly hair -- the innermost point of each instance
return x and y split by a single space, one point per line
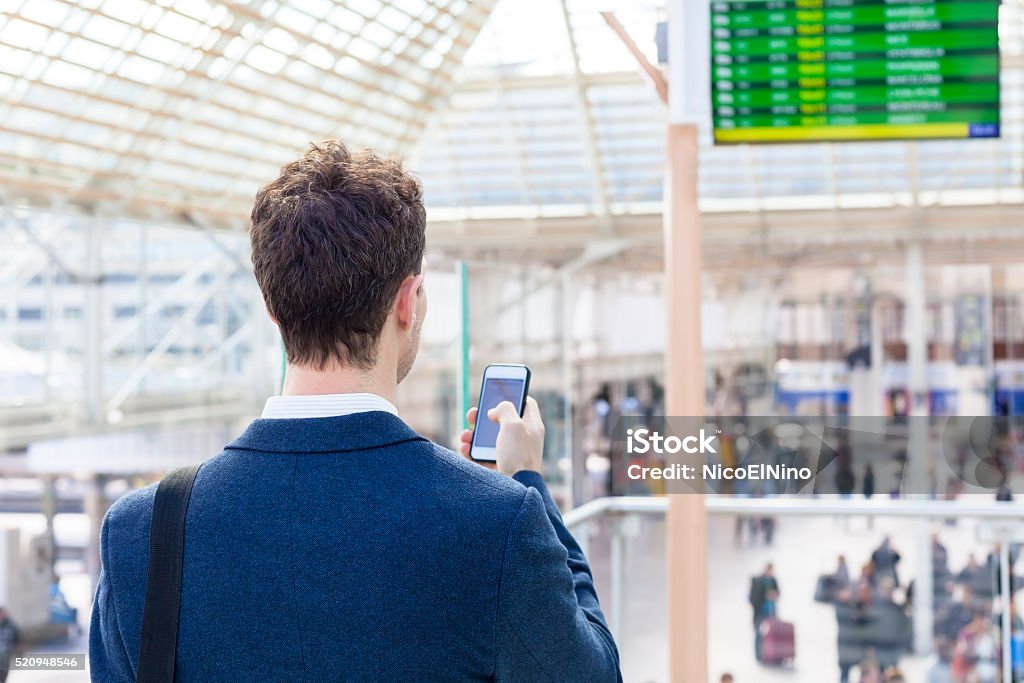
333 238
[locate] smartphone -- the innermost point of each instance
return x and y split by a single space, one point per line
501 383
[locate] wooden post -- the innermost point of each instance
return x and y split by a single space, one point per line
687 541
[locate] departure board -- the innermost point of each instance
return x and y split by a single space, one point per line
832 70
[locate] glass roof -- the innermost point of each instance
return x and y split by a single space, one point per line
549 121
179 109
186 106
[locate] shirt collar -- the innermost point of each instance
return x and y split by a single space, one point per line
325 405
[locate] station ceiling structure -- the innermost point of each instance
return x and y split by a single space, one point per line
176 110
527 120
523 117
552 133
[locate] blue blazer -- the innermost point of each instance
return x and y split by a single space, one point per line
353 549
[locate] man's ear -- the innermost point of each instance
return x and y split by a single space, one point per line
269 314
405 304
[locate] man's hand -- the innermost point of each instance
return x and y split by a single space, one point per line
520 444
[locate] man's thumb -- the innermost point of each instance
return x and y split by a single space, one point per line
503 412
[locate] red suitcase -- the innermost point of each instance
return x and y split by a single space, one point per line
778 641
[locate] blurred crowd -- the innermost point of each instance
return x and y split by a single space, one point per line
873 609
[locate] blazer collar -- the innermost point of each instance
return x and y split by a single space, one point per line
355 432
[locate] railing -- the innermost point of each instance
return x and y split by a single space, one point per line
578 519
832 505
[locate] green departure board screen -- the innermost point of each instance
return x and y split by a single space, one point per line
831 70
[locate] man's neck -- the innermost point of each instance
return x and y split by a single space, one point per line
304 381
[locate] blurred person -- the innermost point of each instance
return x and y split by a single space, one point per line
829 585
63 613
885 560
1004 494
850 620
768 526
10 643
726 678
942 577
941 671
868 488
893 675
954 487
842 573
968 575
845 481
380 555
597 442
988 582
889 626
868 484
719 395
1016 623
739 523
764 524
869 573
870 669
940 557
978 649
957 615
764 591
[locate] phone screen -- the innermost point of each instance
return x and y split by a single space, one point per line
495 391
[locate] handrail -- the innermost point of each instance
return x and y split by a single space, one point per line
651 505
880 507
803 506
587 511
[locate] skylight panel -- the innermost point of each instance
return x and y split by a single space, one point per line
198 9
104 30
347 20
367 8
280 40
431 59
318 56
266 60
141 69
295 20
413 8
13 60
128 11
45 11
377 34
178 27
67 75
24 34
394 20
87 53
158 48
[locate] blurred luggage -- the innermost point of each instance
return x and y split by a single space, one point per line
778 641
825 590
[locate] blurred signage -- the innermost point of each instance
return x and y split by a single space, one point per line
1000 532
970 347
832 70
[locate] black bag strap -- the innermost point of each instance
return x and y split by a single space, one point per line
159 636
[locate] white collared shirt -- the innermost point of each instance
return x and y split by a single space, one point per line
324 405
